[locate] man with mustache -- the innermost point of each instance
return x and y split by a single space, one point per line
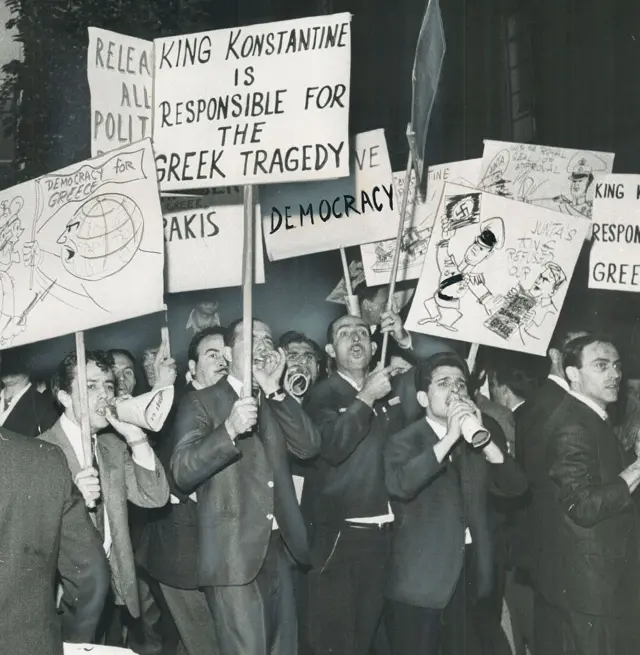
234 453
587 566
345 500
122 470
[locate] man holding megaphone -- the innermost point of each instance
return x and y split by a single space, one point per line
439 472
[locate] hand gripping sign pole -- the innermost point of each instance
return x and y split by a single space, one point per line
247 288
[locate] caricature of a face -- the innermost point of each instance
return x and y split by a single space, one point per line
69 243
543 285
9 236
476 253
579 187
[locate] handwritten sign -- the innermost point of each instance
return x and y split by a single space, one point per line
557 178
377 258
81 247
300 219
615 253
253 105
204 238
496 271
120 73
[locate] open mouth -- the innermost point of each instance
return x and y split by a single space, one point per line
357 350
69 254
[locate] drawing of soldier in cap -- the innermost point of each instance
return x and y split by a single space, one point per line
458 277
10 232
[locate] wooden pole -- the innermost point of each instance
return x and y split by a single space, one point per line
164 332
396 254
351 300
247 289
472 356
81 378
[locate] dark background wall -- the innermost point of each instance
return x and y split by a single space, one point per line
559 72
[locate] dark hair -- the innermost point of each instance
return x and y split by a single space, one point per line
199 337
573 350
112 352
332 325
65 374
298 337
14 362
564 332
517 379
230 335
368 293
424 371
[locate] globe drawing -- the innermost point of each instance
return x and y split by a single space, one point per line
102 236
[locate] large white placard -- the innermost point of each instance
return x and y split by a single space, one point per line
253 105
615 252
496 272
81 247
561 179
204 239
120 73
310 217
377 258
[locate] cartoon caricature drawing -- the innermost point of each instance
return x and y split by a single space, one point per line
10 232
494 180
459 276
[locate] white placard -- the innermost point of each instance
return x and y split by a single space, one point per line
496 272
120 73
377 258
310 217
93 649
253 105
204 239
614 261
81 247
561 179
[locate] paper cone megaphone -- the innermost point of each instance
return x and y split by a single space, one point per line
149 410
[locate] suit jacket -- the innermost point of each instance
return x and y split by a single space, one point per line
241 484
169 545
45 528
121 480
588 559
33 414
433 503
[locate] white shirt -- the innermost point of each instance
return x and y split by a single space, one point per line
237 386
518 404
440 432
381 518
602 413
561 382
196 385
4 413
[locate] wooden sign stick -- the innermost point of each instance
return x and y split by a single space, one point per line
351 300
81 378
247 290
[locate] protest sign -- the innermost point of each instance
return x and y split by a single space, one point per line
253 105
204 238
310 217
378 257
561 179
615 252
81 247
496 271
120 73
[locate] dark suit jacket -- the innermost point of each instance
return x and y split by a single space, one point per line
169 545
588 559
33 414
241 484
432 504
121 480
44 528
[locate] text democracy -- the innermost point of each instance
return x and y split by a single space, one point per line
208 164
341 206
197 49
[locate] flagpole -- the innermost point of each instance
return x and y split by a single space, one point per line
247 291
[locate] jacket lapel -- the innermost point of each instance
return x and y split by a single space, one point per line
61 440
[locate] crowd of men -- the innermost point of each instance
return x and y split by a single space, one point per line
346 507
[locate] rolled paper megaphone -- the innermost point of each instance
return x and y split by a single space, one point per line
149 410
296 382
473 431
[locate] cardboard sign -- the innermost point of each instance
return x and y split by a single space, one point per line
378 257
561 179
204 240
300 219
253 105
496 272
120 73
614 261
81 247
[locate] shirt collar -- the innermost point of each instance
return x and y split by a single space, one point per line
353 383
236 384
16 397
196 385
589 403
438 428
518 404
561 382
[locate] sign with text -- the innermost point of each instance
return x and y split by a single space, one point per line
301 219
496 271
377 258
204 238
253 105
615 251
120 73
